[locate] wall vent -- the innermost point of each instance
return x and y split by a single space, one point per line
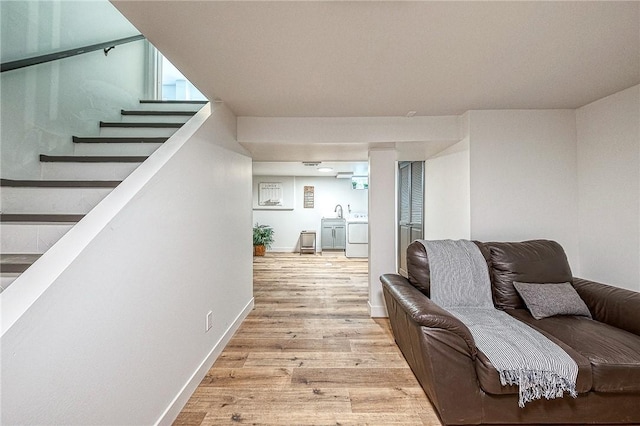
311 163
344 175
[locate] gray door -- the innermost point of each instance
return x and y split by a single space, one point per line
410 208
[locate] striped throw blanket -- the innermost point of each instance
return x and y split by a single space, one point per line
460 284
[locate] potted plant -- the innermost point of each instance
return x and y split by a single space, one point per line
262 239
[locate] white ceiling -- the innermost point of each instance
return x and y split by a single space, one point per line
368 58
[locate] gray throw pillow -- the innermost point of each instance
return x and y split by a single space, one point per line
546 300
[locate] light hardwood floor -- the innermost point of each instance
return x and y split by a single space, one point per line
309 354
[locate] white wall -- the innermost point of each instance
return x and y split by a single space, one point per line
328 192
609 189
523 174
447 205
118 335
38 27
383 169
42 106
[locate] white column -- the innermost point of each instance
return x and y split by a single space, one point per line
382 224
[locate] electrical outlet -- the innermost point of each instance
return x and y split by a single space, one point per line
209 321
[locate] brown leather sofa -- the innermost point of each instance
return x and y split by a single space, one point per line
461 382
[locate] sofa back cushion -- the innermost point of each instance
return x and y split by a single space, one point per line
418 271
536 261
418 267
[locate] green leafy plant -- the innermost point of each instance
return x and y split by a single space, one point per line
263 235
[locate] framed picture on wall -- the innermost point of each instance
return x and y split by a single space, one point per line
308 197
270 194
273 193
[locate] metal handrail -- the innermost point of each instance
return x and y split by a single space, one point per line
35 60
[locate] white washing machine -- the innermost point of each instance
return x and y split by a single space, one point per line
357 236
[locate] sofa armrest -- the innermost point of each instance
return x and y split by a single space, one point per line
615 306
423 311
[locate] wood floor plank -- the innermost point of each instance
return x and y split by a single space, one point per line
389 400
328 360
266 378
374 345
297 314
229 401
322 323
297 332
190 418
318 419
290 345
229 359
309 354
353 377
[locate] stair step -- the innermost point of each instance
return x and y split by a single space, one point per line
132 124
115 139
6 279
16 263
156 116
115 149
52 199
31 237
11 183
155 105
122 146
144 132
157 112
171 102
91 159
39 218
58 171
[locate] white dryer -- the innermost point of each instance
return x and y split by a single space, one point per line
357 236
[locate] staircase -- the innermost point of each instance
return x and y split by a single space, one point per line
37 213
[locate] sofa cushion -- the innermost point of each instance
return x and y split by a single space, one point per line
537 261
547 300
419 274
489 378
614 354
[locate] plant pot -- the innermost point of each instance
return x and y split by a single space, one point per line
259 250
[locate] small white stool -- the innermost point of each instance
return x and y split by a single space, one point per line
308 242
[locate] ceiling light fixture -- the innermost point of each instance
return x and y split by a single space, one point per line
325 169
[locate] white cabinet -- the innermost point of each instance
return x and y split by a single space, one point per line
334 235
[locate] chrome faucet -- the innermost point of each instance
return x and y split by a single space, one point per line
339 211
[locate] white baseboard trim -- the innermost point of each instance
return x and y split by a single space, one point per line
174 408
379 311
284 249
